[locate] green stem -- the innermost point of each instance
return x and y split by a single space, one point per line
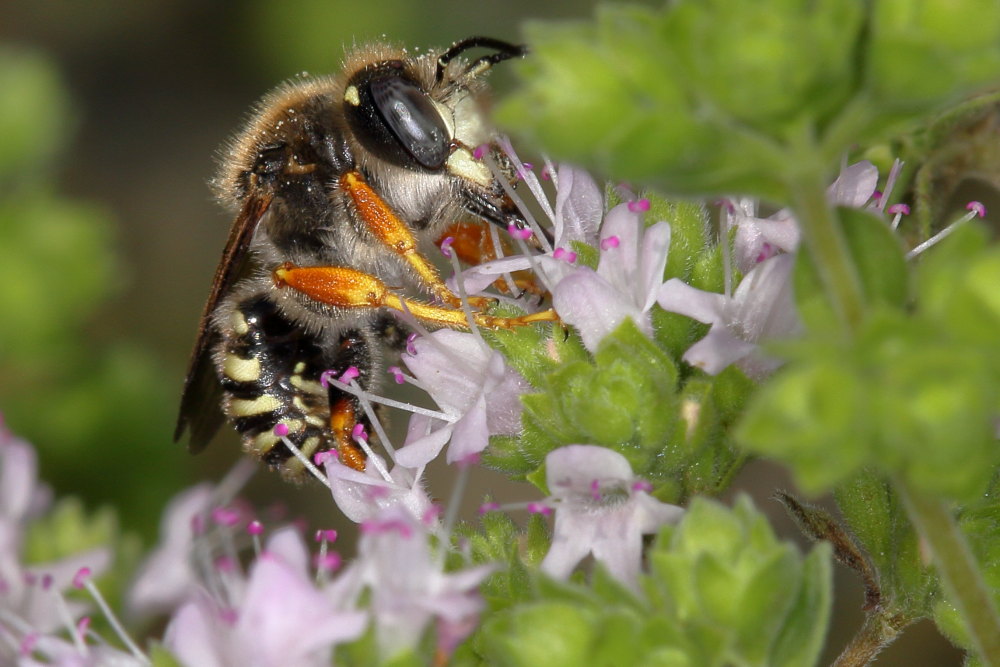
957 566
880 629
826 245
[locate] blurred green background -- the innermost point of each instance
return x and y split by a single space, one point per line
111 114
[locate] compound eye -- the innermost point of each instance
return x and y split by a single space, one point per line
410 115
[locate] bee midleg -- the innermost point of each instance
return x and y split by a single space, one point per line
473 244
347 288
354 350
390 229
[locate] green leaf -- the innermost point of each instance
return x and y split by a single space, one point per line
546 633
878 258
161 657
800 641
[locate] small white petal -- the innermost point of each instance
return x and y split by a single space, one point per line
579 206
652 262
425 449
679 297
717 349
855 185
593 306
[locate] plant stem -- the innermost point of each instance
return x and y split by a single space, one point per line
960 576
827 247
880 630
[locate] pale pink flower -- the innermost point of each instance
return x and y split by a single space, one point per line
409 586
601 508
762 309
473 386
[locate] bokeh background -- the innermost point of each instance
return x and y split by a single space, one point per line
111 115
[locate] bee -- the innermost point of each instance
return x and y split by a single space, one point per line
337 183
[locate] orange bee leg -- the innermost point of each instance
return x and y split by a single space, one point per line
386 226
343 419
345 287
472 244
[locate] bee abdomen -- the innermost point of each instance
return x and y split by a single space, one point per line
269 370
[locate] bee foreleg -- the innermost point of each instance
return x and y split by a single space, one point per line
388 228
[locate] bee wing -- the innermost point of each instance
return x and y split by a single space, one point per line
199 412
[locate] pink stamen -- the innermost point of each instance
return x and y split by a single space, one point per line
527 165
225 564
539 508
352 373
519 233
489 507
410 349
255 527
610 242
567 255
81 576
397 374
329 562
899 209
325 377
977 208
639 206
358 432
82 626
642 485
877 195
546 176
225 516
320 458
46 582
446 245
480 151
281 430
595 489
328 535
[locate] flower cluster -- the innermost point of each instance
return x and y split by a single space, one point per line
607 271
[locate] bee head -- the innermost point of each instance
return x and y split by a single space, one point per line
399 111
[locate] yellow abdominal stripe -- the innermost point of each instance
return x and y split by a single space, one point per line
241 370
239 407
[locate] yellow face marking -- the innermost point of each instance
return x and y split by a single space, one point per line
299 367
462 164
241 370
239 407
352 97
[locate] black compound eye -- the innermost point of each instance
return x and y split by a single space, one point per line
413 119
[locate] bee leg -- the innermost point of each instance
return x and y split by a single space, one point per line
473 245
345 408
345 287
386 226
